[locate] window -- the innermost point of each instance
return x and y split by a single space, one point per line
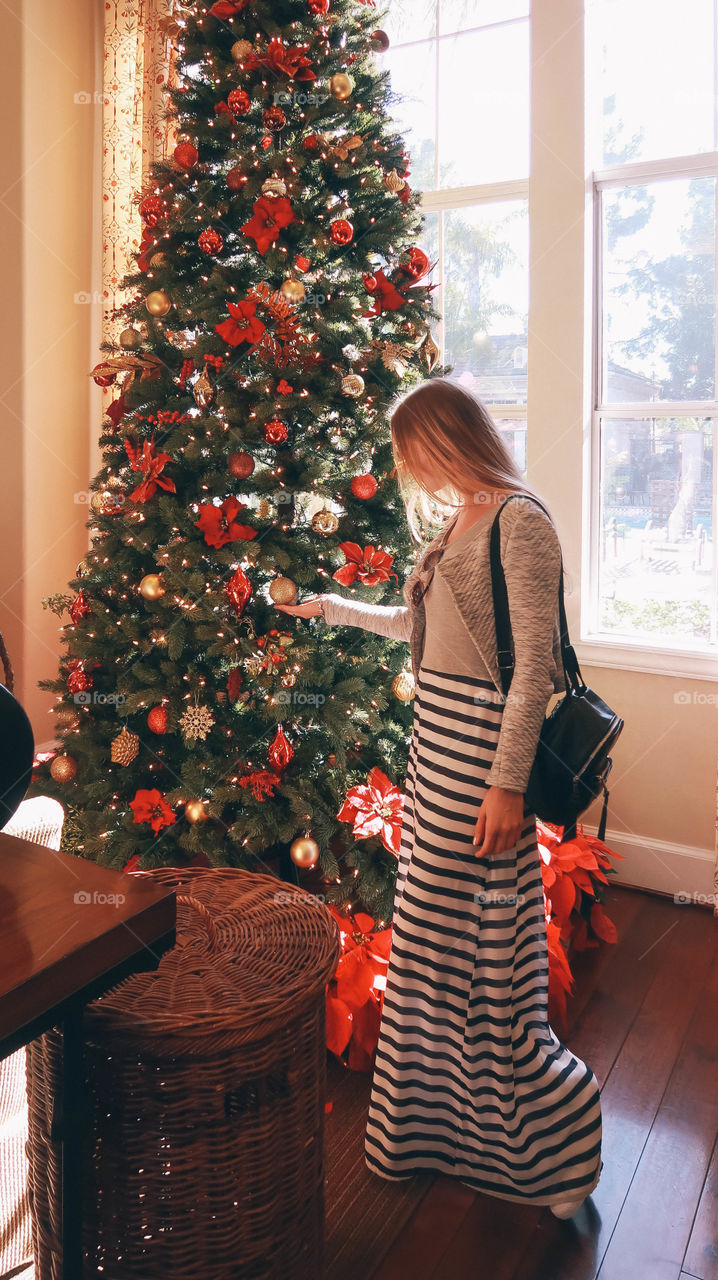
457 63
653 133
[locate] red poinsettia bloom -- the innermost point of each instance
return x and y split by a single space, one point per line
376 808
356 992
369 565
217 523
271 214
150 806
151 464
117 410
243 326
292 63
228 8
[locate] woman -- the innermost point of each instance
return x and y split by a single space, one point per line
470 1079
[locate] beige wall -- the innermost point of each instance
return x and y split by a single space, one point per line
49 210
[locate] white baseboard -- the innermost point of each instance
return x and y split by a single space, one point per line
681 871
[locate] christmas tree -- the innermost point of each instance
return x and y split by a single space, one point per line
280 302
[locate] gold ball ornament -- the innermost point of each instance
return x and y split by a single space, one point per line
241 49
130 339
304 852
157 302
341 86
152 587
325 522
63 768
293 291
96 502
353 385
195 811
124 747
283 591
403 686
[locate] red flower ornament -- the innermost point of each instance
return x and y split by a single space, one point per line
244 324
270 216
376 808
150 806
218 523
369 565
151 464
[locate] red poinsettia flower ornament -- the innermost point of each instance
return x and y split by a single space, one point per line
369 565
376 808
271 215
218 524
150 806
244 324
152 464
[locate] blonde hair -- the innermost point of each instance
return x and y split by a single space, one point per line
454 430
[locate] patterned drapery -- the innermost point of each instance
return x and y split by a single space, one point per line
138 61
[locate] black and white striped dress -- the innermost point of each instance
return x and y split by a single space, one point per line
470 1080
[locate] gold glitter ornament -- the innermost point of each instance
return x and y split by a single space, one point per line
130 339
274 187
63 768
293 291
428 353
203 391
241 50
124 747
283 591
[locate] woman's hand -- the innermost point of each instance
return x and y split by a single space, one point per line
500 821
307 609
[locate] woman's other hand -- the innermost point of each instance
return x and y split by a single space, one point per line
500 821
307 609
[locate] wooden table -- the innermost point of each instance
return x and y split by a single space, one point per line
70 930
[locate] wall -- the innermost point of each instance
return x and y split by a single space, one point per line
49 407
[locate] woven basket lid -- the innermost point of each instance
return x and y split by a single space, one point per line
252 952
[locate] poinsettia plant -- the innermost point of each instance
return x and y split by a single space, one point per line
574 873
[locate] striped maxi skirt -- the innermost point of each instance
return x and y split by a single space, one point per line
469 1078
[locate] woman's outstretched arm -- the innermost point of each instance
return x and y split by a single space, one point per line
393 621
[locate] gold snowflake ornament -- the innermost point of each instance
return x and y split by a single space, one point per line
197 722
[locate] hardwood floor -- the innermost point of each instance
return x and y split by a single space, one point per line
644 1015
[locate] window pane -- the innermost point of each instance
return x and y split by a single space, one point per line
485 299
652 65
659 291
413 75
484 106
656 577
410 20
513 434
461 15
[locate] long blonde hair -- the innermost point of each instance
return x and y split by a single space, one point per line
455 431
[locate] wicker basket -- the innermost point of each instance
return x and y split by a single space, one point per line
205 1087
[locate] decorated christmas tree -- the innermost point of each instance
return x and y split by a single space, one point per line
280 302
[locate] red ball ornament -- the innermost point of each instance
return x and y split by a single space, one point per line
157 720
318 6
152 209
310 143
240 465
341 231
380 41
104 379
274 118
235 179
210 241
280 751
417 263
275 431
239 102
185 155
364 486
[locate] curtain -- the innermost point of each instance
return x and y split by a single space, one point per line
139 41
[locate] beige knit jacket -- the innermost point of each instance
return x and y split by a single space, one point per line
531 557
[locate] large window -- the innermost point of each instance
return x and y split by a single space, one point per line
653 134
462 69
